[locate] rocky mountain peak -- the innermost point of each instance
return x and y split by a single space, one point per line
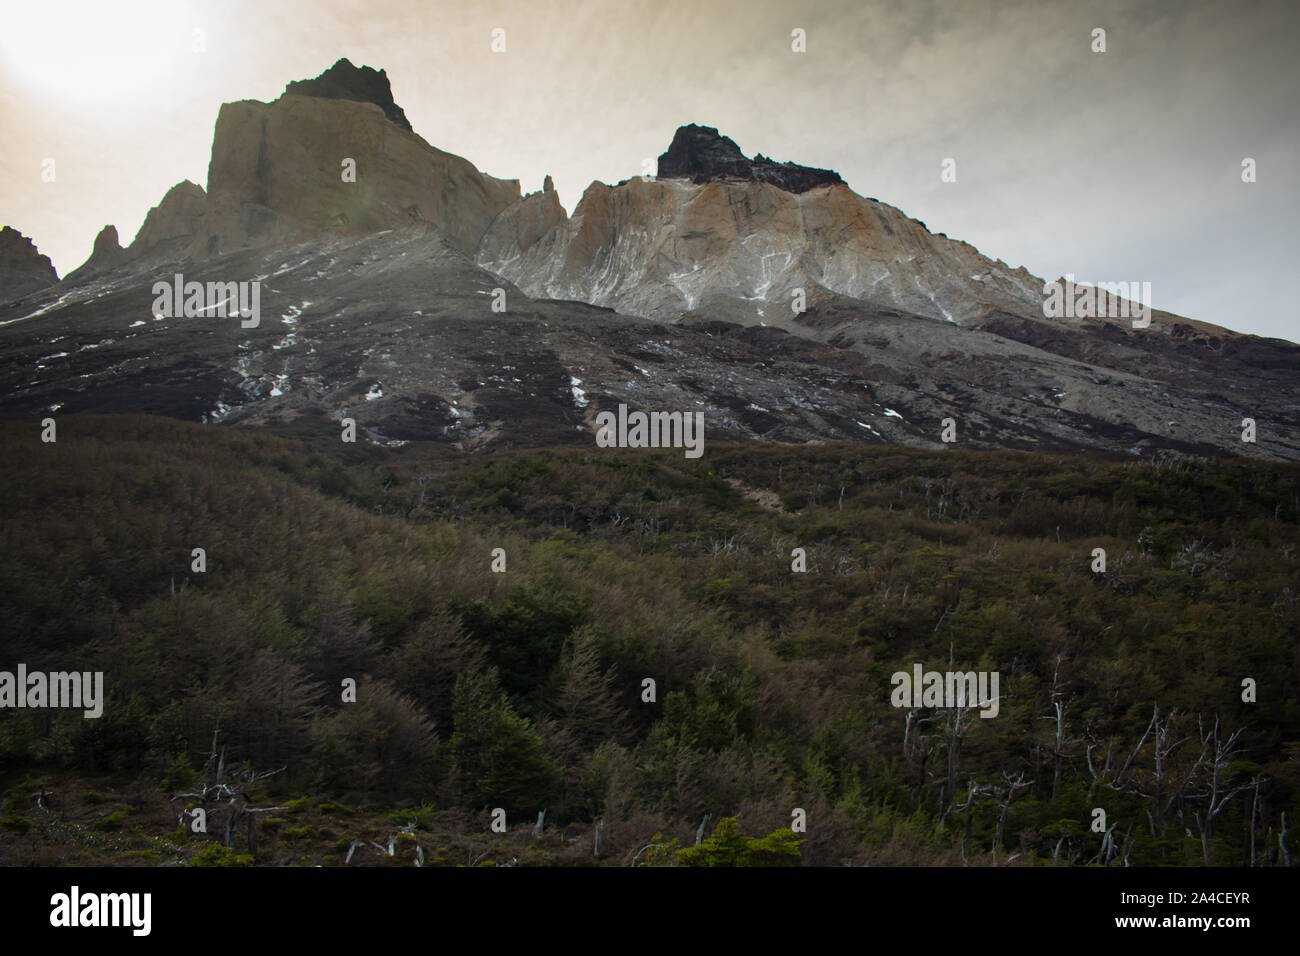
279 172
22 268
17 250
106 254
106 243
343 81
175 218
702 154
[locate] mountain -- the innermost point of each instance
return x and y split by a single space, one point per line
23 269
281 172
735 248
434 303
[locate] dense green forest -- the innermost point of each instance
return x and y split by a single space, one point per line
525 689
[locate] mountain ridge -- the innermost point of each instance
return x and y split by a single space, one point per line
786 314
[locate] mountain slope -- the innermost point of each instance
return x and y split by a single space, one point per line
433 303
738 250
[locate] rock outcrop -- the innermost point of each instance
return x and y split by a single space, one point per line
522 226
166 234
306 165
702 154
107 254
23 269
343 81
174 219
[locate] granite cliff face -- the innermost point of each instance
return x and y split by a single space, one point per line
281 172
23 269
523 225
173 220
727 239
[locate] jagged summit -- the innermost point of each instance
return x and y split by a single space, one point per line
168 229
278 173
106 255
781 310
174 219
343 81
702 154
22 267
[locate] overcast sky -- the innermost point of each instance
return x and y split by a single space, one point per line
1122 165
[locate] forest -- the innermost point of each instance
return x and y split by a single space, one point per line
606 656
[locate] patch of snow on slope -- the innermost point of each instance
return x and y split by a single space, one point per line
40 311
579 396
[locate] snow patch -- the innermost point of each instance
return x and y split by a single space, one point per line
285 267
40 311
579 396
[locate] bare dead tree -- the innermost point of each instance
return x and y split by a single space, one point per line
1128 843
955 727
1120 777
391 848
637 856
1108 849
1216 754
972 791
218 794
1059 708
1254 816
1003 797
917 744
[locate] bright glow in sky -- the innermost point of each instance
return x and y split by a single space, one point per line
84 54
1115 166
